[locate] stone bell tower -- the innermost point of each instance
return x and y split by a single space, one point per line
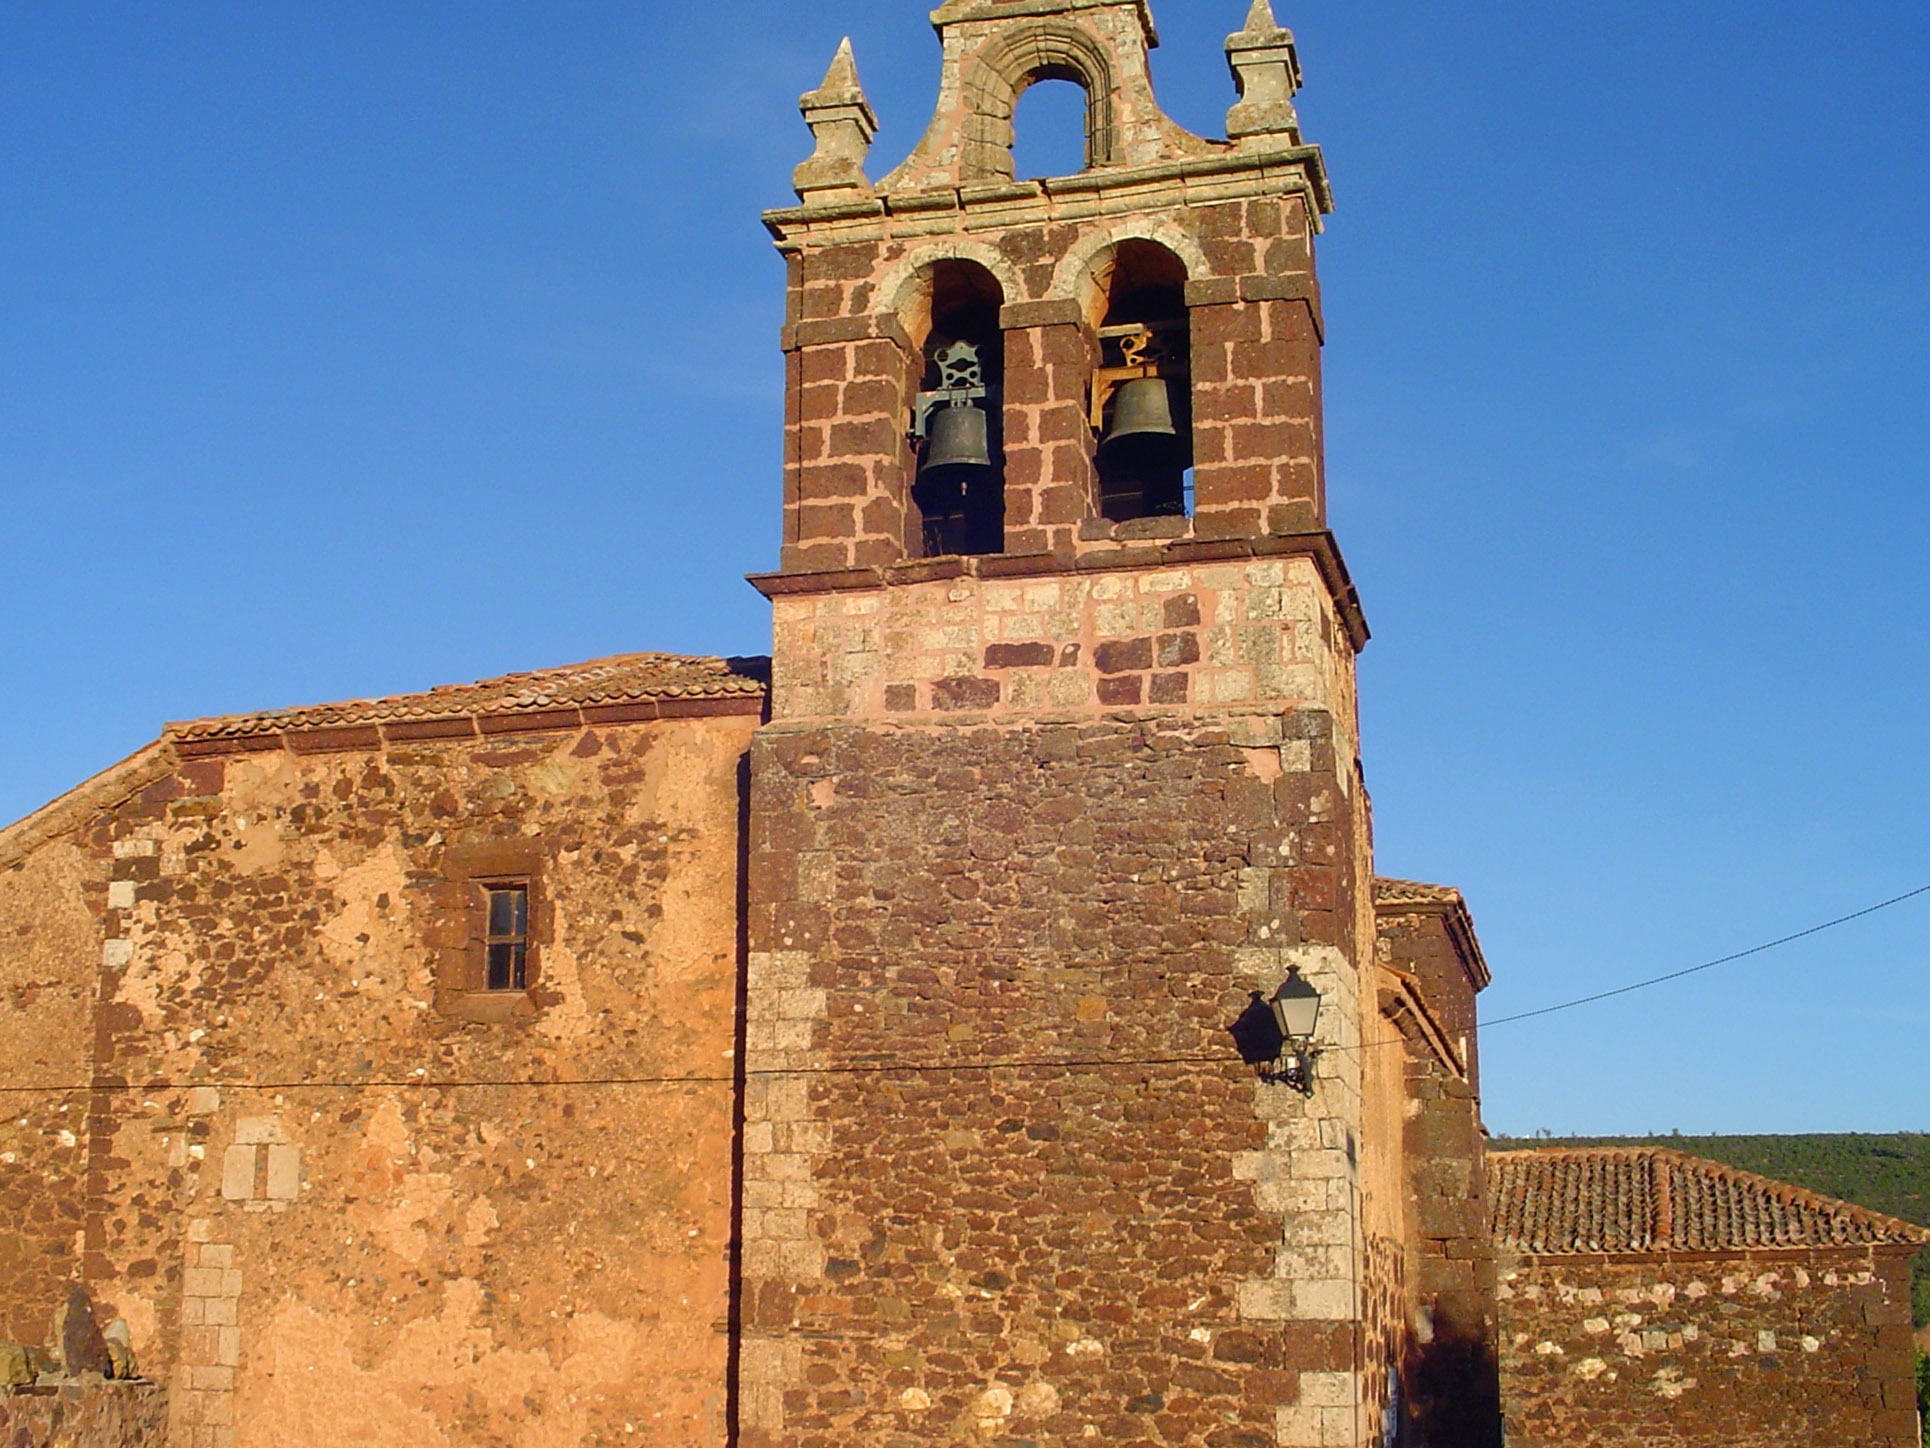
1061 772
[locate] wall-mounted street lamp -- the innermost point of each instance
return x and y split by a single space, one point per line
1296 1009
1275 1036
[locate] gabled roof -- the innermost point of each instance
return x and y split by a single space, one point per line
601 687
625 688
1555 1200
628 688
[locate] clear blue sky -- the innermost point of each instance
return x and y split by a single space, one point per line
350 348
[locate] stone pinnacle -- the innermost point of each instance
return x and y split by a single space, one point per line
1259 19
843 74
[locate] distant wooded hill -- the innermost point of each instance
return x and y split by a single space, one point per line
1886 1173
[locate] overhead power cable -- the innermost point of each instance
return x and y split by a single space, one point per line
424 1082
1623 990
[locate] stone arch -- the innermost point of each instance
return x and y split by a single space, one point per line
1084 273
904 288
1042 50
949 298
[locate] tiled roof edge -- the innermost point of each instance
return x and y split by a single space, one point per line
734 684
1790 1192
1904 1232
745 692
103 791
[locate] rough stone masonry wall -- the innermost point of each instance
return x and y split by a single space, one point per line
1386 1210
1449 1359
96 1415
1253 634
1700 1351
948 1231
50 963
311 1259
1452 1364
1009 862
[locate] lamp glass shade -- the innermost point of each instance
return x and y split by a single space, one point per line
1296 1006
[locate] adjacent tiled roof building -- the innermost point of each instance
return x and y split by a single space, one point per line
1649 1297
1652 1199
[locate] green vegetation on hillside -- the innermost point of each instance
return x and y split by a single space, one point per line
1885 1173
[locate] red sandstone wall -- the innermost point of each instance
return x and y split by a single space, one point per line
1449 1357
851 343
1451 1361
1705 1352
314 1260
104 1415
50 960
934 1250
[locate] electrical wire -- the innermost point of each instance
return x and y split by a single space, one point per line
1623 990
424 1082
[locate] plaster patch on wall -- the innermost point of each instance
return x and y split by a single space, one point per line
319 1380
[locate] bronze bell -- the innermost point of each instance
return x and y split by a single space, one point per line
958 440
1140 408
1143 455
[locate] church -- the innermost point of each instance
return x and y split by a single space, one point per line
978 1020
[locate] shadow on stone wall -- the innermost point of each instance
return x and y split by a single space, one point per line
1454 1389
80 1352
85 1415
1256 1035
82 1392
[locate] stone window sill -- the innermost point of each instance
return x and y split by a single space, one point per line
488 1007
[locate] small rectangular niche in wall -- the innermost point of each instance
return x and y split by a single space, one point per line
262 1169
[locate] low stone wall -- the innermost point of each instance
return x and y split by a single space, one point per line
87 1415
1700 1350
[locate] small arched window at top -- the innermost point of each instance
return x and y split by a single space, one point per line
1052 127
1142 407
958 492
1008 74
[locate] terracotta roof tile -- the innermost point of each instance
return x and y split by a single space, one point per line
623 678
1413 892
1555 1200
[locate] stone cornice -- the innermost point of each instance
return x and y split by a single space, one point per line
1402 1002
1236 172
1319 547
956 12
1460 925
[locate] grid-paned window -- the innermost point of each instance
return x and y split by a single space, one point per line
506 938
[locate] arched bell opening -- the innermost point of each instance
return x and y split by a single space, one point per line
1142 396
958 484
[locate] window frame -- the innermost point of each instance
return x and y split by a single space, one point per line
463 935
515 940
